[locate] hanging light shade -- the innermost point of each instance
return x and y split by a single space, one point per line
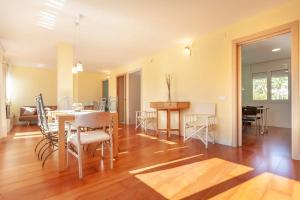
79 67
74 70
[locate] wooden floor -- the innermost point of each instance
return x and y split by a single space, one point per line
154 168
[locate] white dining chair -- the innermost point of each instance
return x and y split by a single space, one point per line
145 119
201 123
101 133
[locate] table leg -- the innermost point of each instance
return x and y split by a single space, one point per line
262 122
168 123
115 135
179 124
157 131
266 119
61 145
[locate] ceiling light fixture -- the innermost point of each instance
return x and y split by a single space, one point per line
78 66
276 49
74 70
187 50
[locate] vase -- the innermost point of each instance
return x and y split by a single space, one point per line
169 95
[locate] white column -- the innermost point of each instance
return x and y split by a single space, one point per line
3 121
64 76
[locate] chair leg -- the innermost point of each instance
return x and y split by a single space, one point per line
145 126
47 143
39 143
111 154
102 150
68 156
80 173
49 147
48 157
206 137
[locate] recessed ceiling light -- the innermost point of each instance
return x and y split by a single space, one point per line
276 49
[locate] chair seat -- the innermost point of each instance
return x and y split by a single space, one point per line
53 127
145 117
195 124
89 137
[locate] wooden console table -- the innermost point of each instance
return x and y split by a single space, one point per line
169 107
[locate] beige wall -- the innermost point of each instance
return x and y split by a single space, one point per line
27 82
89 86
207 75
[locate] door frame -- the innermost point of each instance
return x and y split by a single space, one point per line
107 87
125 95
292 28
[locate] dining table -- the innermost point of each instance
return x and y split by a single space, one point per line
63 116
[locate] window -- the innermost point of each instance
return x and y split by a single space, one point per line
260 86
280 85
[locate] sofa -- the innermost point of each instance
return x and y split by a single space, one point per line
28 114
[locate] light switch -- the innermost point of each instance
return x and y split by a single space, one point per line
222 98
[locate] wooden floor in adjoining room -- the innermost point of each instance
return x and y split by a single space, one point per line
154 168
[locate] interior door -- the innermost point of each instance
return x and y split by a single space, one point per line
121 94
134 95
105 89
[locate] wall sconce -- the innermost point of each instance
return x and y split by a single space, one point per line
187 51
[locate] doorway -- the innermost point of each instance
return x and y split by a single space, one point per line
266 94
105 93
121 98
293 30
105 89
134 95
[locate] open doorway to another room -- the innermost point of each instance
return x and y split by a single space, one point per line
266 94
105 93
134 95
121 98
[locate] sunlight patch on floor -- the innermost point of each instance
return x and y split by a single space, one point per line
24 135
183 181
147 136
155 138
172 149
167 141
264 186
123 152
162 164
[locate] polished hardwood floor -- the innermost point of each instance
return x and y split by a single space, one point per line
155 168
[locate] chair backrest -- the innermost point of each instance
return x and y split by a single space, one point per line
250 110
93 119
112 104
42 118
102 104
205 108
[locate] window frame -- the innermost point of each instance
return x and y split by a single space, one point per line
269 87
289 87
252 92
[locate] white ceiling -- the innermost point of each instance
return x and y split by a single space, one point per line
261 51
114 32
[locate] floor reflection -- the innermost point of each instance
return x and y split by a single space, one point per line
183 181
